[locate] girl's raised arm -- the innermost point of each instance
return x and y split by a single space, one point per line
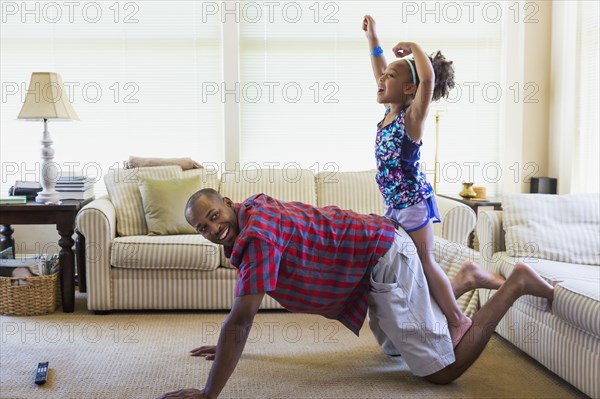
420 105
377 59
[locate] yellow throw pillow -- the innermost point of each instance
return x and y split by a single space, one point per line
164 204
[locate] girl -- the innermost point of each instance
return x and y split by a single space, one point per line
406 88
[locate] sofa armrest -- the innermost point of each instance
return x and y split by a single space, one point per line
490 234
99 211
97 223
458 221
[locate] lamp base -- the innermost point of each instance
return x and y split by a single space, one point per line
48 197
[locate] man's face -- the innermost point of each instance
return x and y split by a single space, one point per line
215 219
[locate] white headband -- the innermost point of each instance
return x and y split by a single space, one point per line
412 71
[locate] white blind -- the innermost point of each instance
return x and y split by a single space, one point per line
135 73
586 176
332 124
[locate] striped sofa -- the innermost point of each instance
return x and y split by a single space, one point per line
128 269
565 339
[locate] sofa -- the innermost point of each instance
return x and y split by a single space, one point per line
128 268
559 237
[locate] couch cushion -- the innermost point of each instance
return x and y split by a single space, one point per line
578 302
190 251
576 293
563 228
290 184
356 191
122 186
552 271
164 204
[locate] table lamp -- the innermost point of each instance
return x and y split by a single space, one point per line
47 99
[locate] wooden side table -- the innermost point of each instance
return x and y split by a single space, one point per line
475 205
63 216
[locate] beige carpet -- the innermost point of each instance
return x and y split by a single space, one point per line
143 354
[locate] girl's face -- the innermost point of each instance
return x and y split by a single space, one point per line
395 85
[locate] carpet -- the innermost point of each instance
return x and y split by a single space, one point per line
142 354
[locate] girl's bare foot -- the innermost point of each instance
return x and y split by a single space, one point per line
471 276
459 329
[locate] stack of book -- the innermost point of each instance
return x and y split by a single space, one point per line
13 199
26 188
75 186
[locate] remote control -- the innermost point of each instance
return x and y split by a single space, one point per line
40 373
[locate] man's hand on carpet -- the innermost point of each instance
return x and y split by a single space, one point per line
189 393
208 352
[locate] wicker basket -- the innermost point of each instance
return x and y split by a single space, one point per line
39 296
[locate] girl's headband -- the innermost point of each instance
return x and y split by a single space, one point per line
412 71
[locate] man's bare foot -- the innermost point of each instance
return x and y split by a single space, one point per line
471 276
525 281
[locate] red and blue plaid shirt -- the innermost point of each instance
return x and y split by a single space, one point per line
309 259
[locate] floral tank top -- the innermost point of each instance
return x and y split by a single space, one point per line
399 175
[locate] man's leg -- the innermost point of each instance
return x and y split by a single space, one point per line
472 276
522 281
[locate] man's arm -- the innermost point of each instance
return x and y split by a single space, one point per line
230 345
232 340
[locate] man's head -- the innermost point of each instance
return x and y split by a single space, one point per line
213 217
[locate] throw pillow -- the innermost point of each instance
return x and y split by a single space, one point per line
164 204
122 186
563 228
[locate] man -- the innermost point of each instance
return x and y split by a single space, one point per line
337 263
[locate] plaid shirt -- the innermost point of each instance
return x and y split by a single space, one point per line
309 259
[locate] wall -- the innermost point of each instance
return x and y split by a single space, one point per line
36 239
525 138
535 134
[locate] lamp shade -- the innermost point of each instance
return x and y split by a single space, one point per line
47 98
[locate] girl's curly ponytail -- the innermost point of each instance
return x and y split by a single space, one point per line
444 75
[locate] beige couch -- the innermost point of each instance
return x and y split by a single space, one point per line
128 269
558 236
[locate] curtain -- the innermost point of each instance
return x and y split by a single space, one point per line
574 132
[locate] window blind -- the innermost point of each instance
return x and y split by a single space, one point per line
331 124
135 73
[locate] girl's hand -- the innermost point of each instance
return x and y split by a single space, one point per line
368 26
402 49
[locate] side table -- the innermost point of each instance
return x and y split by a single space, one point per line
63 216
475 204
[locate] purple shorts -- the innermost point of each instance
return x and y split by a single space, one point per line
416 216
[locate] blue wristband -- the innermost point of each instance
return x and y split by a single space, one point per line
377 51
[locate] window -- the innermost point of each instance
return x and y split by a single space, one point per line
134 72
305 89
323 113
